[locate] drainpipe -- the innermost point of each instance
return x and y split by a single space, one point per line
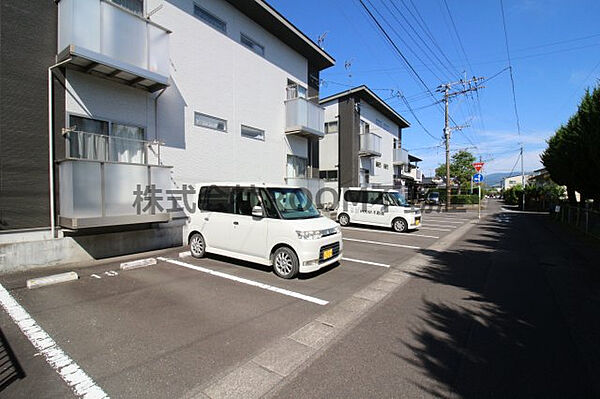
156 120
50 147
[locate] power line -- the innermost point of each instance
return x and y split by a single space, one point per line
512 80
458 36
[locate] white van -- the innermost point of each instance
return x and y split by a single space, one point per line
277 226
377 207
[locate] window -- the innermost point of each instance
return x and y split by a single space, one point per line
105 141
296 166
135 6
356 197
375 197
378 164
252 44
246 198
294 90
364 127
268 205
253 133
210 122
219 199
293 203
331 127
328 174
210 19
386 166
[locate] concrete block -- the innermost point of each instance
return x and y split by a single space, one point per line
371 294
284 356
134 264
53 279
315 334
185 254
248 381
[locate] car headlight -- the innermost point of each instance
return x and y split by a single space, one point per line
309 235
316 234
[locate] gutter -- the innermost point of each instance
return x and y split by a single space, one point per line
50 147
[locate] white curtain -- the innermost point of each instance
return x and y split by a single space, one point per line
126 144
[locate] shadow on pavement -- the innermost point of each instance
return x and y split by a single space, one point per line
502 334
10 368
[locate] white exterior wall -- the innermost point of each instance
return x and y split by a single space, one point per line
370 115
211 73
329 145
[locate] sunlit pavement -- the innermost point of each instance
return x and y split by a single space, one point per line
169 329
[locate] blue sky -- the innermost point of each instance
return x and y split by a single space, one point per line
555 54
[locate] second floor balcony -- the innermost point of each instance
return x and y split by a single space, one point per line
108 40
400 156
304 118
100 176
369 145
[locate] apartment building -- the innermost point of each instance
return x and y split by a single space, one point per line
118 100
511 181
362 143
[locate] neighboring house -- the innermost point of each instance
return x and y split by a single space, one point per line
540 177
409 177
510 182
147 92
362 143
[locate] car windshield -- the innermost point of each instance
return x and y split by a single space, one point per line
434 195
396 199
293 203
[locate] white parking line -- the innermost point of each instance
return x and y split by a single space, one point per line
442 221
426 215
365 262
447 226
389 232
81 384
382 243
431 228
246 281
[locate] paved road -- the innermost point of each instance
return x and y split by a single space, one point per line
169 330
481 321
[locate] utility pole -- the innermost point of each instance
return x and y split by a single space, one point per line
468 85
522 177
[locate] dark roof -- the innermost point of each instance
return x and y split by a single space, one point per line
275 23
412 158
372 99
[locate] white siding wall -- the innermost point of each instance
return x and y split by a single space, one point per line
371 115
328 146
214 74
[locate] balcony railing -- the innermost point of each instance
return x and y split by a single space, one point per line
99 178
304 118
400 156
100 147
369 145
108 40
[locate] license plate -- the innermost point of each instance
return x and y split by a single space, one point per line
328 253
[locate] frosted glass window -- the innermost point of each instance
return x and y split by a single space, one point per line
253 133
252 44
135 6
210 122
210 19
126 144
296 166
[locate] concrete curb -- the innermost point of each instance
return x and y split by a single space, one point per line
134 264
52 279
287 357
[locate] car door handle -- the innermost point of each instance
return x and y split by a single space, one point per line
206 219
236 223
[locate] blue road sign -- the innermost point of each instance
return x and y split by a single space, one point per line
477 178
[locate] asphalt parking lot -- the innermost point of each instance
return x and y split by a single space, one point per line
170 329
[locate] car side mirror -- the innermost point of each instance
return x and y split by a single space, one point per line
258 212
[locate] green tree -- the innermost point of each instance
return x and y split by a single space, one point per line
461 169
572 154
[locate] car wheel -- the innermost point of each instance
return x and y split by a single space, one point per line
400 225
285 263
344 219
197 245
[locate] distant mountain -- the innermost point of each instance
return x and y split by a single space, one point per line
495 178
